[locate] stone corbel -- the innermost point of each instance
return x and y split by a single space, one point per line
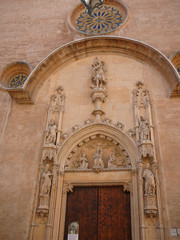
126 187
68 187
150 208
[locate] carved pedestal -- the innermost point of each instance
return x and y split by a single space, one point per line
98 96
145 149
49 151
43 208
150 208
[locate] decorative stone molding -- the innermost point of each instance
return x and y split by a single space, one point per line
175 59
89 46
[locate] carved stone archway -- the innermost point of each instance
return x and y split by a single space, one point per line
67 179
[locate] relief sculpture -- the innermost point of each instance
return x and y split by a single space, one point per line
51 133
98 159
149 181
46 181
98 76
45 188
118 160
144 130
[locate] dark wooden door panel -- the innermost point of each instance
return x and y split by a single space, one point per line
103 213
114 221
82 208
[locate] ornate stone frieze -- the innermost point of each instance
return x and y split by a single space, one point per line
98 153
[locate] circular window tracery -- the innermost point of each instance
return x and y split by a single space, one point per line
17 81
104 19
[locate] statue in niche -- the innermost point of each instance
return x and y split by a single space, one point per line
56 100
51 133
46 181
112 160
98 160
144 129
98 77
149 186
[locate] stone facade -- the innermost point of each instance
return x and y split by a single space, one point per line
95 111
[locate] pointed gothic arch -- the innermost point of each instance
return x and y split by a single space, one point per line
102 129
67 180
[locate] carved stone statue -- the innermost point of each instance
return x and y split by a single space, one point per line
112 160
98 160
46 181
149 186
144 130
98 77
51 132
80 163
56 100
83 163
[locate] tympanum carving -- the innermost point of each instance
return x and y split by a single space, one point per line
98 159
79 163
118 160
98 153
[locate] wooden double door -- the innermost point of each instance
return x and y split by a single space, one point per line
103 213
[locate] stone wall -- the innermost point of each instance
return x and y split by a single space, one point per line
30 31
